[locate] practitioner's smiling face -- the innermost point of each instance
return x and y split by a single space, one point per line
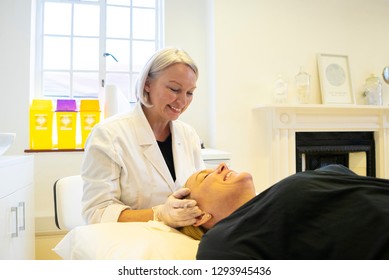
220 191
171 91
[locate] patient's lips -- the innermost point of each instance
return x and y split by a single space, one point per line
227 175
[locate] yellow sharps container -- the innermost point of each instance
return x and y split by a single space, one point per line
89 117
41 124
66 123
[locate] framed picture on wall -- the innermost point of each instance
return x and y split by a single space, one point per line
335 81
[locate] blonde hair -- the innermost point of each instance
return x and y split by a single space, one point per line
161 60
192 231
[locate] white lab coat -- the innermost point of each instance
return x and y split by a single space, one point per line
123 166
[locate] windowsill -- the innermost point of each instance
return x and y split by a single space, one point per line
53 150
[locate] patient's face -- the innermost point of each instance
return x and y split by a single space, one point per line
220 191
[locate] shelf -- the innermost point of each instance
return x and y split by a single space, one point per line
53 150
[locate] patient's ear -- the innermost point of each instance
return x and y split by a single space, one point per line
203 219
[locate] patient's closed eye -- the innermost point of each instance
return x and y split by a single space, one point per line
205 176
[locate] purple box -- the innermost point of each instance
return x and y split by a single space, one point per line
66 105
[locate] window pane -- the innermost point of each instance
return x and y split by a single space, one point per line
122 81
86 54
85 84
56 53
121 50
144 24
141 52
70 40
57 18
118 22
144 3
86 20
56 84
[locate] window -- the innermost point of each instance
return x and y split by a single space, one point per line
83 45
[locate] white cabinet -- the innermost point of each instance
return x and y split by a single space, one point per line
212 158
17 225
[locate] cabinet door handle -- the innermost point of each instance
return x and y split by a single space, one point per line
23 206
16 233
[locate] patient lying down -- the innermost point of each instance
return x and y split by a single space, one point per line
329 213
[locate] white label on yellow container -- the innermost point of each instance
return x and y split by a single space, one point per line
89 122
65 122
41 121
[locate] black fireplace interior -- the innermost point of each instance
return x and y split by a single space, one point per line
324 148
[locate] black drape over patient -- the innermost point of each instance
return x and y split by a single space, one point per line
329 213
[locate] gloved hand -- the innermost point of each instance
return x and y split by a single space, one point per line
177 211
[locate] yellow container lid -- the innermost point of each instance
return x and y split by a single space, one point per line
90 105
42 104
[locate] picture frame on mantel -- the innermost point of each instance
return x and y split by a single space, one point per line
335 80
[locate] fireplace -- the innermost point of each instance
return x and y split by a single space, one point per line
318 149
284 132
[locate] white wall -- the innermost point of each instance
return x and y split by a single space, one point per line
15 35
240 46
189 26
255 40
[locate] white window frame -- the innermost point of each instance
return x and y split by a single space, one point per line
39 71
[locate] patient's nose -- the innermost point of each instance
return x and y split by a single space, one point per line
222 166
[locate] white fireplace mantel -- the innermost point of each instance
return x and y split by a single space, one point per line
278 124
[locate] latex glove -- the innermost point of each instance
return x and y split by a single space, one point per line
177 211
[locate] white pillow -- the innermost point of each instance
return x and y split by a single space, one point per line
131 241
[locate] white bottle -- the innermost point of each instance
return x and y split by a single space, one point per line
280 90
303 86
373 91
